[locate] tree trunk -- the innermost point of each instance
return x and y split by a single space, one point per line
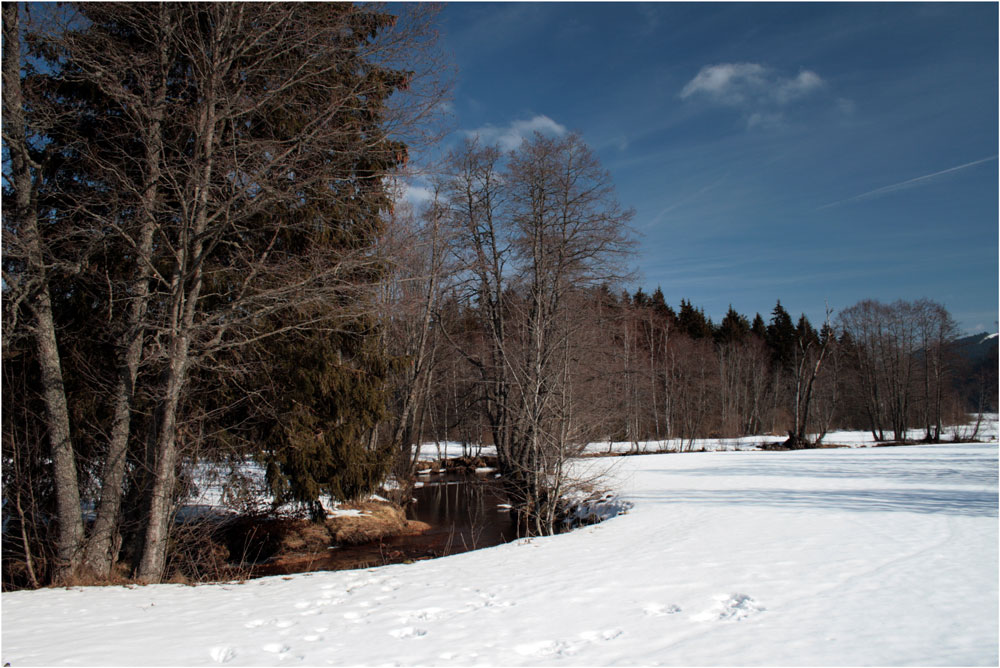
101 553
70 521
187 272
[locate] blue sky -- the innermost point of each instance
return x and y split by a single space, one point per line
804 152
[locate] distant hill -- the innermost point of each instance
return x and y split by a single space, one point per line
976 371
976 346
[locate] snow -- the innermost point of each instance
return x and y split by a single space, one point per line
853 439
855 556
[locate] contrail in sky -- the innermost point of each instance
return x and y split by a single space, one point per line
906 184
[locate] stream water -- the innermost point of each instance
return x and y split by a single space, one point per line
464 513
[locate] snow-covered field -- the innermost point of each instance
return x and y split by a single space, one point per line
861 556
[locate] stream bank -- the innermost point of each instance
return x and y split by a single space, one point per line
451 512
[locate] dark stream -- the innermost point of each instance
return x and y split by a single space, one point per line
464 512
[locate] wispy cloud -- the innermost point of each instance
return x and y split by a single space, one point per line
909 183
759 91
510 136
737 84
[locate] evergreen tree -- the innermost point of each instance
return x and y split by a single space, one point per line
662 310
781 336
734 328
692 321
758 328
328 395
805 333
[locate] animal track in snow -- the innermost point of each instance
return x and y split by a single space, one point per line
731 608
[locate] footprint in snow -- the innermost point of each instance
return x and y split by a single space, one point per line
222 654
408 632
598 636
425 615
730 608
275 648
660 610
329 600
545 648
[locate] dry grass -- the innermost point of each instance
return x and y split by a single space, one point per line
378 520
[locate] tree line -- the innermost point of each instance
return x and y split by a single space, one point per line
654 373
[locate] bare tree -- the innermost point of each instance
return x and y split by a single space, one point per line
417 249
810 353
937 331
887 341
533 235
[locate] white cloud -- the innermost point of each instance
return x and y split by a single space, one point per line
760 91
510 137
416 195
727 82
410 188
802 85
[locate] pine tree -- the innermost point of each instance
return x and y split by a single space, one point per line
692 321
805 333
734 328
781 336
662 310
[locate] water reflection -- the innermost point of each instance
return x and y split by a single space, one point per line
464 513
470 512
